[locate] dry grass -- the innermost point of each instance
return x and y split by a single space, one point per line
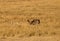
14 16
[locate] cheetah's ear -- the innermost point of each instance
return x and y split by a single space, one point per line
28 20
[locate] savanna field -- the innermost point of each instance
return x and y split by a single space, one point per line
29 20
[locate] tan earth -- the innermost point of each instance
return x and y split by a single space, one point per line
15 13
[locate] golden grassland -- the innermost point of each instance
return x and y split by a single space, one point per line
15 13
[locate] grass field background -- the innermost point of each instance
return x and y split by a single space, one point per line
15 13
